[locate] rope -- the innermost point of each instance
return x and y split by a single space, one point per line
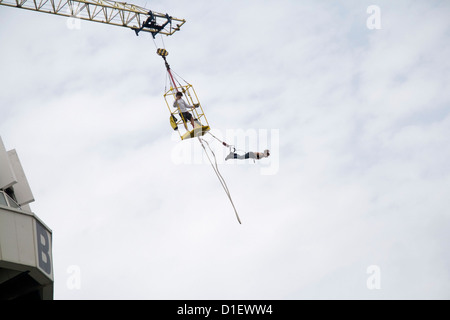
180 77
162 39
156 46
216 170
165 84
223 142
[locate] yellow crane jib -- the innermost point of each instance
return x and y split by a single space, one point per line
105 11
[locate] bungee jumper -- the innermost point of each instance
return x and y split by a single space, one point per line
249 155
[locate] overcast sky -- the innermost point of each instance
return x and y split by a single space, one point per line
357 120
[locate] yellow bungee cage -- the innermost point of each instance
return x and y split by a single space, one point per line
177 116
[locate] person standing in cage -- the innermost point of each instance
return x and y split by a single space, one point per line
183 107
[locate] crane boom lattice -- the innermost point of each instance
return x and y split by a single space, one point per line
104 11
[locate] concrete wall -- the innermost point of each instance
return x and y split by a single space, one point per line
26 262
26 245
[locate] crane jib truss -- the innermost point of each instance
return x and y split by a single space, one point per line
104 11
